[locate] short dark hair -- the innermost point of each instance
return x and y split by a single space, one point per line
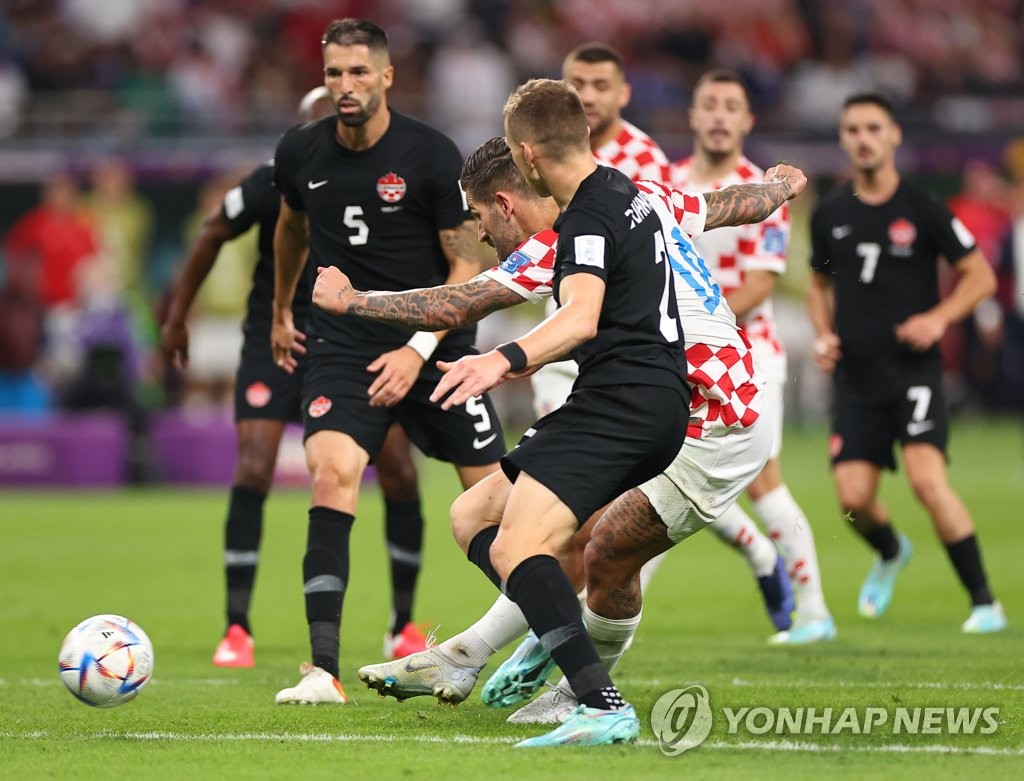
722 76
872 99
595 52
490 168
547 113
355 32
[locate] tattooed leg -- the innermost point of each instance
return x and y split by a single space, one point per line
627 536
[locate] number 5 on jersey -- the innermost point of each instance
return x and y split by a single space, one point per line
353 219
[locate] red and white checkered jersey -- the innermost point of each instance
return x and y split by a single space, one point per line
635 154
731 252
727 390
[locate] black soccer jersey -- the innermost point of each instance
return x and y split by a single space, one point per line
610 229
375 214
883 259
256 201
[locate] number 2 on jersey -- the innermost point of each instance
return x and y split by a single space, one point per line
352 220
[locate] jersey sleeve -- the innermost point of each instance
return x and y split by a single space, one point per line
530 269
585 245
449 200
240 205
763 245
951 237
285 167
690 210
819 243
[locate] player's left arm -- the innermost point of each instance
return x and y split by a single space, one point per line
572 324
740 204
976 282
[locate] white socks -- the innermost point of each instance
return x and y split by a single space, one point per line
736 528
499 626
788 526
611 636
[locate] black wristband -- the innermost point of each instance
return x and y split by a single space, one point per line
515 354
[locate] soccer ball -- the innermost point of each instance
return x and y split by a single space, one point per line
105 660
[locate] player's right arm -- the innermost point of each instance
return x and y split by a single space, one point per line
429 309
740 204
215 231
291 240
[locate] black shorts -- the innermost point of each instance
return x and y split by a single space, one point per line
602 442
911 409
335 398
263 390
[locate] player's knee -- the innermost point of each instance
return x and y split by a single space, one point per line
255 468
854 498
465 522
599 564
929 489
329 479
398 482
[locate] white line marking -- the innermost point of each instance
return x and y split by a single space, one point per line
830 684
715 745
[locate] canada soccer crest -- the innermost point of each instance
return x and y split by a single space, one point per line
391 187
257 395
902 232
319 407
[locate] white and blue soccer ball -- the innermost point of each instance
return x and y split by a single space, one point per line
105 660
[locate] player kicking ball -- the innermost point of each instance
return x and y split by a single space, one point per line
670 507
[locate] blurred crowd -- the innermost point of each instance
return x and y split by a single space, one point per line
143 67
80 300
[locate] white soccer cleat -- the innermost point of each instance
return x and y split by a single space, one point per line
317 687
426 674
552 707
985 619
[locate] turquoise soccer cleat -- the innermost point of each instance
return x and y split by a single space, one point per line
590 727
876 593
520 676
985 619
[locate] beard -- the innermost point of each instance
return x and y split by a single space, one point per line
361 117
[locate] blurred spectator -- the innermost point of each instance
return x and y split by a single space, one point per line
124 221
21 340
971 351
59 236
1007 321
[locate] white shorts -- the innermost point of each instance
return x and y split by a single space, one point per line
214 348
708 476
772 365
551 386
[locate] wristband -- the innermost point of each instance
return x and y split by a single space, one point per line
424 343
515 355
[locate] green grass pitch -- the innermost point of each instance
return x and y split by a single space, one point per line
155 556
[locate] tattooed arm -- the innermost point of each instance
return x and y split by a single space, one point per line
744 203
428 308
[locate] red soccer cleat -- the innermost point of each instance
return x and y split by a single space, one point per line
409 641
235 650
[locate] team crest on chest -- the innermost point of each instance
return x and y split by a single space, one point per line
319 407
257 395
391 187
902 234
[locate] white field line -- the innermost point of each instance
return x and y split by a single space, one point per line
714 745
831 684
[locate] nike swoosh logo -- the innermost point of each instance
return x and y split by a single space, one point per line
415 667
917 427
841 232
477 444
313 185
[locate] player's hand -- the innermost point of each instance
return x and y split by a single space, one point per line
398 371
827 352
333 291
469 376
789 175
286 341
174 344
922 331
